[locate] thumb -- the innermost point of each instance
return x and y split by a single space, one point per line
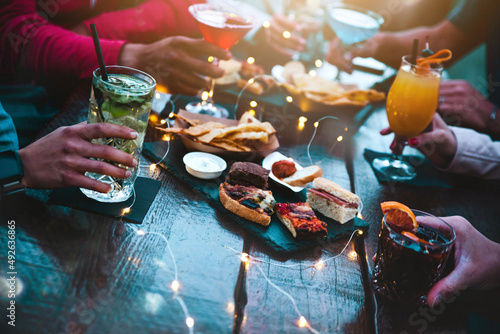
447 287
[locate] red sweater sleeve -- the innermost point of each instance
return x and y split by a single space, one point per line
147 22
30 44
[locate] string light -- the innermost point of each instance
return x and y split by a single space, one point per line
312 73
316 124
360 232
287 34
318 63
302 119
360 217
302 322
244 257
250 60
320 264
125 211
251 81
158 95
251 112
190 322
171 115
253 104
339 138
230 307
140 232
210 59
352 255
204 95
152 167
266 24
175 285
153 118
289 99
165 138
163 121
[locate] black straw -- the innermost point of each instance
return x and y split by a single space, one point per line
98 51
414 52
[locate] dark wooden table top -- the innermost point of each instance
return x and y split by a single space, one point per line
84 273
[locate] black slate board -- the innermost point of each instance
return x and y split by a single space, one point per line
275 235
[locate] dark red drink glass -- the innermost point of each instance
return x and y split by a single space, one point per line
406 267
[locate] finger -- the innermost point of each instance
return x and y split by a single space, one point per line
177 87
111 154
103 168
189 79
196 47
386 131
336 57
82 181
104 130
447 287
280 21
294 42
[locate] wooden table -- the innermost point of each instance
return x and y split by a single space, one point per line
81 272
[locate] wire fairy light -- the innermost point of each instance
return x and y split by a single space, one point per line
316 124
175 284
320 264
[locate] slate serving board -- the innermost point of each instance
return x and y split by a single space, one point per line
276 235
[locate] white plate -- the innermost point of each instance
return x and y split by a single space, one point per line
268 164
204 165
327 71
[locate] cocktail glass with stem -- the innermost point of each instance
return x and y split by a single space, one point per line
411 105
223 26
352 24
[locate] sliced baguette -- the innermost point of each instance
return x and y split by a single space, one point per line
241 210
303 176
336 190
331 209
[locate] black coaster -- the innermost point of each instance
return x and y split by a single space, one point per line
145 192
427 174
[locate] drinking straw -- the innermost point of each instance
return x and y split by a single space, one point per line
98 51
414 52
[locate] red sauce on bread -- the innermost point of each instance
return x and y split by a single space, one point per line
283 168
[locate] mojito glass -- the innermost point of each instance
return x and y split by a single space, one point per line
124 99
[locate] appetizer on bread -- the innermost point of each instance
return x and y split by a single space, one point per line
301 220
333 201
248 202
303 176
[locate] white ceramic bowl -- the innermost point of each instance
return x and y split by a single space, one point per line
204 165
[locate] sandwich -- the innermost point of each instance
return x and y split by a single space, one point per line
244 194
333 201
301 220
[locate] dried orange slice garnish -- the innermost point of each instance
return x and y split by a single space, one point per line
399 216
437 58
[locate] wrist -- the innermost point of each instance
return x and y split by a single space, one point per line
130 54
24 162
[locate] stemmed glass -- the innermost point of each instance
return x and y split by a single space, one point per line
223 26
352 24
411 105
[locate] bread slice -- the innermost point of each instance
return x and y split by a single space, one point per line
303 176
329 208
241 210
301 221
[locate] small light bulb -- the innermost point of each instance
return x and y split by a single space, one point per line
157 95
346 129
339 138
175 285
171 115
251 81
360 232
312 73
244 257
287 34
204 95
141 232
352 255
230 307
152 167
318 63
266 24
163 121
320 264
253 104
302 322
302 119
153 118
360 216
289 99
251 112
166 138
316 124
125 211
211 59
190 322
250 60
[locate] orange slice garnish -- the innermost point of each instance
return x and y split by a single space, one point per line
399 216
415 238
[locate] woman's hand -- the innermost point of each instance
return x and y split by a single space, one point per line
61 158
274 36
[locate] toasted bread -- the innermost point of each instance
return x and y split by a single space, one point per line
241 210
303 176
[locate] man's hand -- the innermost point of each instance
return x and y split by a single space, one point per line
464 106
175 62
61 158
477 263
337 54
274 35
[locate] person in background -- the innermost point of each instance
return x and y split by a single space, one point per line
49 42
61 158
471 23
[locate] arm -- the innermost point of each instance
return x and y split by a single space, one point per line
145 23
38 49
